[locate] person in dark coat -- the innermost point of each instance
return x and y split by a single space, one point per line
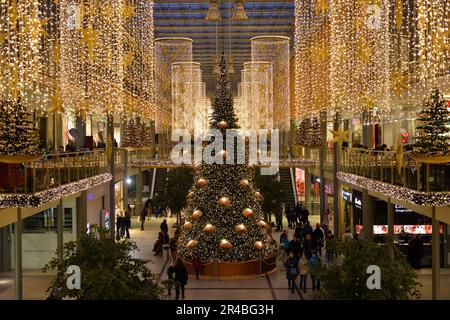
298 213
305 215
308 246
295 246
279 219
170 276
127 221
144 214
415 252
291 265
181 277
164 227
307 229
299 230
317 238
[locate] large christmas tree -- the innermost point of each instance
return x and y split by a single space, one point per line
132 136
432 133
224 220
17 135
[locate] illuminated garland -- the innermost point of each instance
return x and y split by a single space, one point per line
39 198
429 199
170 164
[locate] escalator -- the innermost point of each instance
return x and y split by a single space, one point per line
287 186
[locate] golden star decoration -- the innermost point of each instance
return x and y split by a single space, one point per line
340 136
90 38
35 26
399 154
321 6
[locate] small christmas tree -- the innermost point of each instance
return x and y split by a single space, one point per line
300 137
432 138
138 136
130 139
146 139
17 135
314 136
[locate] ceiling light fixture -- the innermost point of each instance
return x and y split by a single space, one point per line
239 11
213 11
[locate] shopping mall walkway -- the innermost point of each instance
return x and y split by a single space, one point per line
273 286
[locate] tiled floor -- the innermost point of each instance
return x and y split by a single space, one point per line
273 286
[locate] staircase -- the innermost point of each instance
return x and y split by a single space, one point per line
160 181
286 185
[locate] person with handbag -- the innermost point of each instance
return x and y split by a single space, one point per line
291 265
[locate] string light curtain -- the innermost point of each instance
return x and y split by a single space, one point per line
183 92
433 31
24 29
312 58
275 49
139 58
167 51
261 109
243 113
92 55
360 44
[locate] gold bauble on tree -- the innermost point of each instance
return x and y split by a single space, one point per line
247 212
191 244
262 224
187 225
240 228
201 183
225 244
209 228
258 195
190 195
197 214
244 184
258 245
224 201
222 124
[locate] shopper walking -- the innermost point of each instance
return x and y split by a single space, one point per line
314 267
279 219
295 246
303 270
170 277
181 277
127 221
144 214
317 238
291 265
328 243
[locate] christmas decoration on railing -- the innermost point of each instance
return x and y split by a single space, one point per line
312 57
167 52
275 50
433 132
19 140
429 199
282 163
222 200
34 200
359 47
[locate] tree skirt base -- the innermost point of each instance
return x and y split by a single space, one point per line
235 270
